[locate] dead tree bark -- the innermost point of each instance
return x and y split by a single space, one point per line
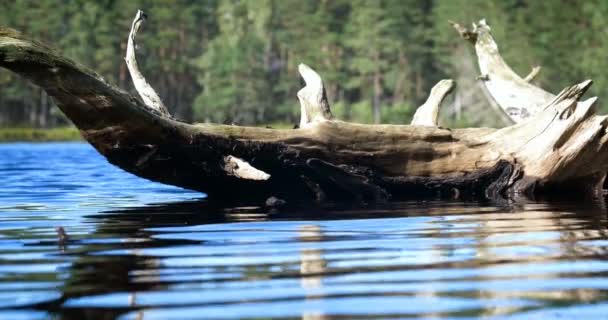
563 147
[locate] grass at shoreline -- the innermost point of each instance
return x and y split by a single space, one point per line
24 134
39 135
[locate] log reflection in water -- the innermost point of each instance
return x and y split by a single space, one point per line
486 239
312 267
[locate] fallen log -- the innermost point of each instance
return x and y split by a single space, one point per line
563 147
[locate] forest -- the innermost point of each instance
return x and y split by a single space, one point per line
235 61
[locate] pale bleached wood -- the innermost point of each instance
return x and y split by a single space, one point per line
144 89
314 105
242 169
533 74
428 113
516 96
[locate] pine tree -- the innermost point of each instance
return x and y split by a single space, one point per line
233 68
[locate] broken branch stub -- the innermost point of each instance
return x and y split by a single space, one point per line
428 113
533 73
144 89
242 169
313 98
518 98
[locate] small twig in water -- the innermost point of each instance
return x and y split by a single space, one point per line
62 235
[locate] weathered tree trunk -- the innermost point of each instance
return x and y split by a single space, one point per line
562 147
515 96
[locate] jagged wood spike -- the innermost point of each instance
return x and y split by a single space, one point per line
559 148
144 89
574 92
465 33
314 105
428 113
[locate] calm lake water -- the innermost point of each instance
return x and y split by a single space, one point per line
141 250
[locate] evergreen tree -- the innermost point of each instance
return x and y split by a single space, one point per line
233 67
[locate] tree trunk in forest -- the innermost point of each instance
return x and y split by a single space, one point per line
377 98
398 92
44 110
562 147
377 92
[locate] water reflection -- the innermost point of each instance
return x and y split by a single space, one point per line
312 264
442 259
191 259
439 260
312 267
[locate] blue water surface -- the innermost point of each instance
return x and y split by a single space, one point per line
141 250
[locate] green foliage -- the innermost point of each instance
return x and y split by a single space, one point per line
235 61
400 113
233 69
361 112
